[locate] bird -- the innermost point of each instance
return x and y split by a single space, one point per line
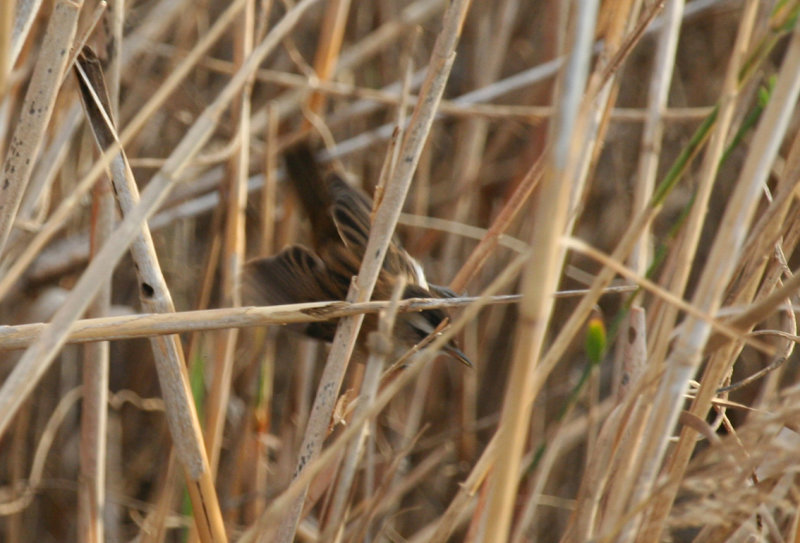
340 223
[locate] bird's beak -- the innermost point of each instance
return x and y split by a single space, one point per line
456 353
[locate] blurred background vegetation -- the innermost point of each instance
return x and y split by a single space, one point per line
493 126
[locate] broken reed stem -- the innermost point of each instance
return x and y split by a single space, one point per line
37 358
155 296
263 436
62 213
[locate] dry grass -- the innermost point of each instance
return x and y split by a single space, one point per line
625 144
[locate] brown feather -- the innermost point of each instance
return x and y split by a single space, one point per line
340 222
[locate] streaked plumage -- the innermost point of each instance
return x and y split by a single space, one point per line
340 219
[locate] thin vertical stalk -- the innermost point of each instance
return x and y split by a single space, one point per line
6 20
36 111
234 247
330 44
540 277
94 412
654 126
94 415
686 354
381 231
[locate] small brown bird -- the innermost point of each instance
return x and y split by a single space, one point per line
340 222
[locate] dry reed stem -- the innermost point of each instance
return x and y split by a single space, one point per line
266 523
328 48
152 324
26 11
94 421
268 201
653 129
91 494
155 296
36 111
540 279
685 357
6 62
36 199
381 231
575 478
233 248
61 214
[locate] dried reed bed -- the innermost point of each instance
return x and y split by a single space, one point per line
639 158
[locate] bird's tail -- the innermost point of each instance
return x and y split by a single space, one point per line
307 178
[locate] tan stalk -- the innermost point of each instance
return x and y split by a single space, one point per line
653 129
156 297
36 111
153 324
685 356
539 280
38 356
328 48
381 230
65 208
234 247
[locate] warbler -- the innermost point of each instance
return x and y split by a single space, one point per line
340 223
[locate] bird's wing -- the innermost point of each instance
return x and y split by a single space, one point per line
293 276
